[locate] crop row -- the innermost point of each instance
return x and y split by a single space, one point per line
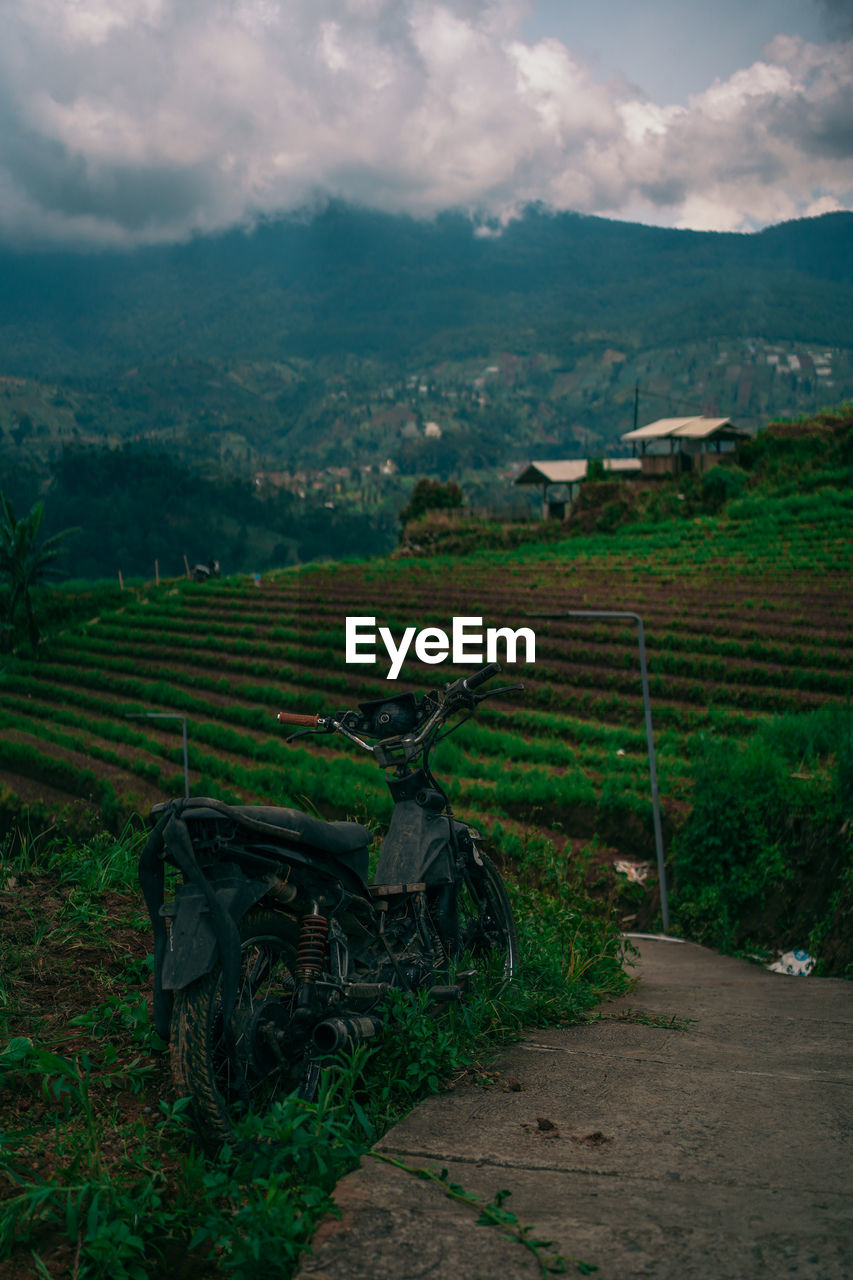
808 621
575 564
35 763
596 647
699 654
752 687
483 754
536 785
516 733
515 590
348 787
692 710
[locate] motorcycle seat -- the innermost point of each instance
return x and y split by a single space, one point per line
337 838
340 839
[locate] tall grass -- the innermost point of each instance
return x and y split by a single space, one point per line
765 856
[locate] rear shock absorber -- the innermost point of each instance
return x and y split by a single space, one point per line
311 948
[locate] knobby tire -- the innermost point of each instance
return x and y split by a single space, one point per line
202 1068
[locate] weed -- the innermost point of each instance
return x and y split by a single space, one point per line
102 1211
641 1018
125 1015
493 1214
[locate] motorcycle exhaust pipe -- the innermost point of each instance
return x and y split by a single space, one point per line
336 1033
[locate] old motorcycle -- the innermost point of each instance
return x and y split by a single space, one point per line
275 952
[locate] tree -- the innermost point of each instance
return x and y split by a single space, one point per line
431 495
25 562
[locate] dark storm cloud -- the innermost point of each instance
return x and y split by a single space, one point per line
833 135
135 197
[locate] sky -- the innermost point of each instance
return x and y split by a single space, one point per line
126 122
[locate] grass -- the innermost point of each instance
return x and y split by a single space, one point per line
101 1176
765 856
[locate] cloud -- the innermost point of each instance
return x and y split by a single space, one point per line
129 121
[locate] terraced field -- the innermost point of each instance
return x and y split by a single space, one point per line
744 619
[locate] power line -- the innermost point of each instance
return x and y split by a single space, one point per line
662 395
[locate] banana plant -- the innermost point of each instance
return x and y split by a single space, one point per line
25 562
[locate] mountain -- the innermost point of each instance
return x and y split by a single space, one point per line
353 282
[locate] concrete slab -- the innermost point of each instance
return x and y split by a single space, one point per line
724 1149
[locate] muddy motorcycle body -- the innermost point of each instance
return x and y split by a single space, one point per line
275 953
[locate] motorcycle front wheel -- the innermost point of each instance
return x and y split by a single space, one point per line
486 921
227 1082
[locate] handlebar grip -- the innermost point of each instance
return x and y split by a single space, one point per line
480 677
293 717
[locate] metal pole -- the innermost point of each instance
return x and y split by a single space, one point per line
186 753
653 776
647 705
163 715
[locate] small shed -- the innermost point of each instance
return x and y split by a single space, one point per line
670 446
566 477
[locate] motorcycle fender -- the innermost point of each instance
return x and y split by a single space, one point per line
192 949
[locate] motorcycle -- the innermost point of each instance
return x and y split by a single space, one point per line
276 953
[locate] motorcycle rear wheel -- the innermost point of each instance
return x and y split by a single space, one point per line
226 1085
486 921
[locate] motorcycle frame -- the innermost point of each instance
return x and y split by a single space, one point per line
235 874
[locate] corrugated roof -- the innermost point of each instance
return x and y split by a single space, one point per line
553 472
570 471
700 427
657 430
696 428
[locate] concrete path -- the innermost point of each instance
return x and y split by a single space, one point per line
721 1151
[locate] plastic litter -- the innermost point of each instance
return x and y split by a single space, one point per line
635 871
799 963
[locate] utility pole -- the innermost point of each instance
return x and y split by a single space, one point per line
636 402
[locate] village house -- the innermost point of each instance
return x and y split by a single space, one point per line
671 446
561 481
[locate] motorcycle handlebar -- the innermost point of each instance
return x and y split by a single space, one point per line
452 693
480 677
293 717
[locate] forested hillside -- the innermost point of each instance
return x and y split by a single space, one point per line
335 339
130 507
368 284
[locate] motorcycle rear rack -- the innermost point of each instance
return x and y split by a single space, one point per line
396 890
